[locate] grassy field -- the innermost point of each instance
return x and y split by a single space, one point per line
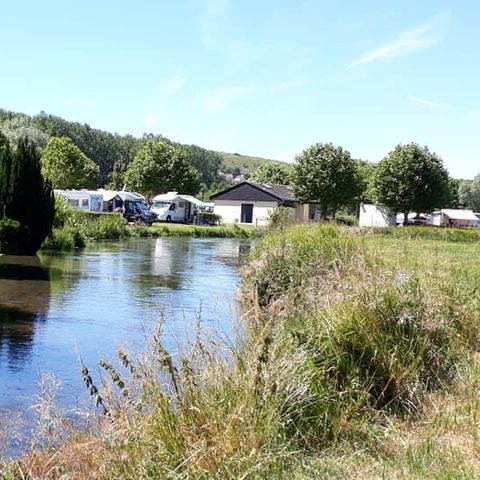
361 362
245 163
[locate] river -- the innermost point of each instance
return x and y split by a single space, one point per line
56 309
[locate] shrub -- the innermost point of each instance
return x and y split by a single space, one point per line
67 238
280 217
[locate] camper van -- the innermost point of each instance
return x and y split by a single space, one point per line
131 204
172 207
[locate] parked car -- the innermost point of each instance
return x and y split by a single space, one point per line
138 212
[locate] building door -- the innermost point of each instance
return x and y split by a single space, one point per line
246 214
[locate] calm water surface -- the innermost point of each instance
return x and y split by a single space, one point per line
59 307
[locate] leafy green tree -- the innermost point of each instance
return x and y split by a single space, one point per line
67 166
326 174
104 148
26 198
469 193
411 178
365 177
160 167
270 172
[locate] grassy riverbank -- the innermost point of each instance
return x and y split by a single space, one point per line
360 362
78 229
180 230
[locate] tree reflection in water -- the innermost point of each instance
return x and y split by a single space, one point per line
24 300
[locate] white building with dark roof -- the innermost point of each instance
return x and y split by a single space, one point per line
252 203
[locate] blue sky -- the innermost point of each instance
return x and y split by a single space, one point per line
261 77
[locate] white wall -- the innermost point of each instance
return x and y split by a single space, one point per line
375 216
230 211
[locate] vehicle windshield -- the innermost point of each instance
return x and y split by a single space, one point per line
160 204
139 205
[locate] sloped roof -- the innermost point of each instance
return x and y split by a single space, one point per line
282 193
457 214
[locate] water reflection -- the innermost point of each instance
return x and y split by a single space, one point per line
168 261
59 307
24 300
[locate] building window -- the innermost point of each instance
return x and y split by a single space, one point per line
73 202
85 202
246 214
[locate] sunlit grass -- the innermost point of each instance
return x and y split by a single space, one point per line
361 362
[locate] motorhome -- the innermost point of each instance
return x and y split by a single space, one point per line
175 207
85 200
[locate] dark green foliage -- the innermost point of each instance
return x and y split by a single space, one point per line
160 167
273 173
24 197
5 173
454 193
411 178
326 174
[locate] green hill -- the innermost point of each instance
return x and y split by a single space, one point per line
113 152
245 163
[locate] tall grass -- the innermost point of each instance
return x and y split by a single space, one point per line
348 349
431 233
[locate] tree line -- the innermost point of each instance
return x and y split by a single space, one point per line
409 179
111 153
74 155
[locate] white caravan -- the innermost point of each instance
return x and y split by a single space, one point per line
85 200
172 207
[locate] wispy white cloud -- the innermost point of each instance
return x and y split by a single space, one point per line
475 114
409 41
217 99
423 101
172 85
